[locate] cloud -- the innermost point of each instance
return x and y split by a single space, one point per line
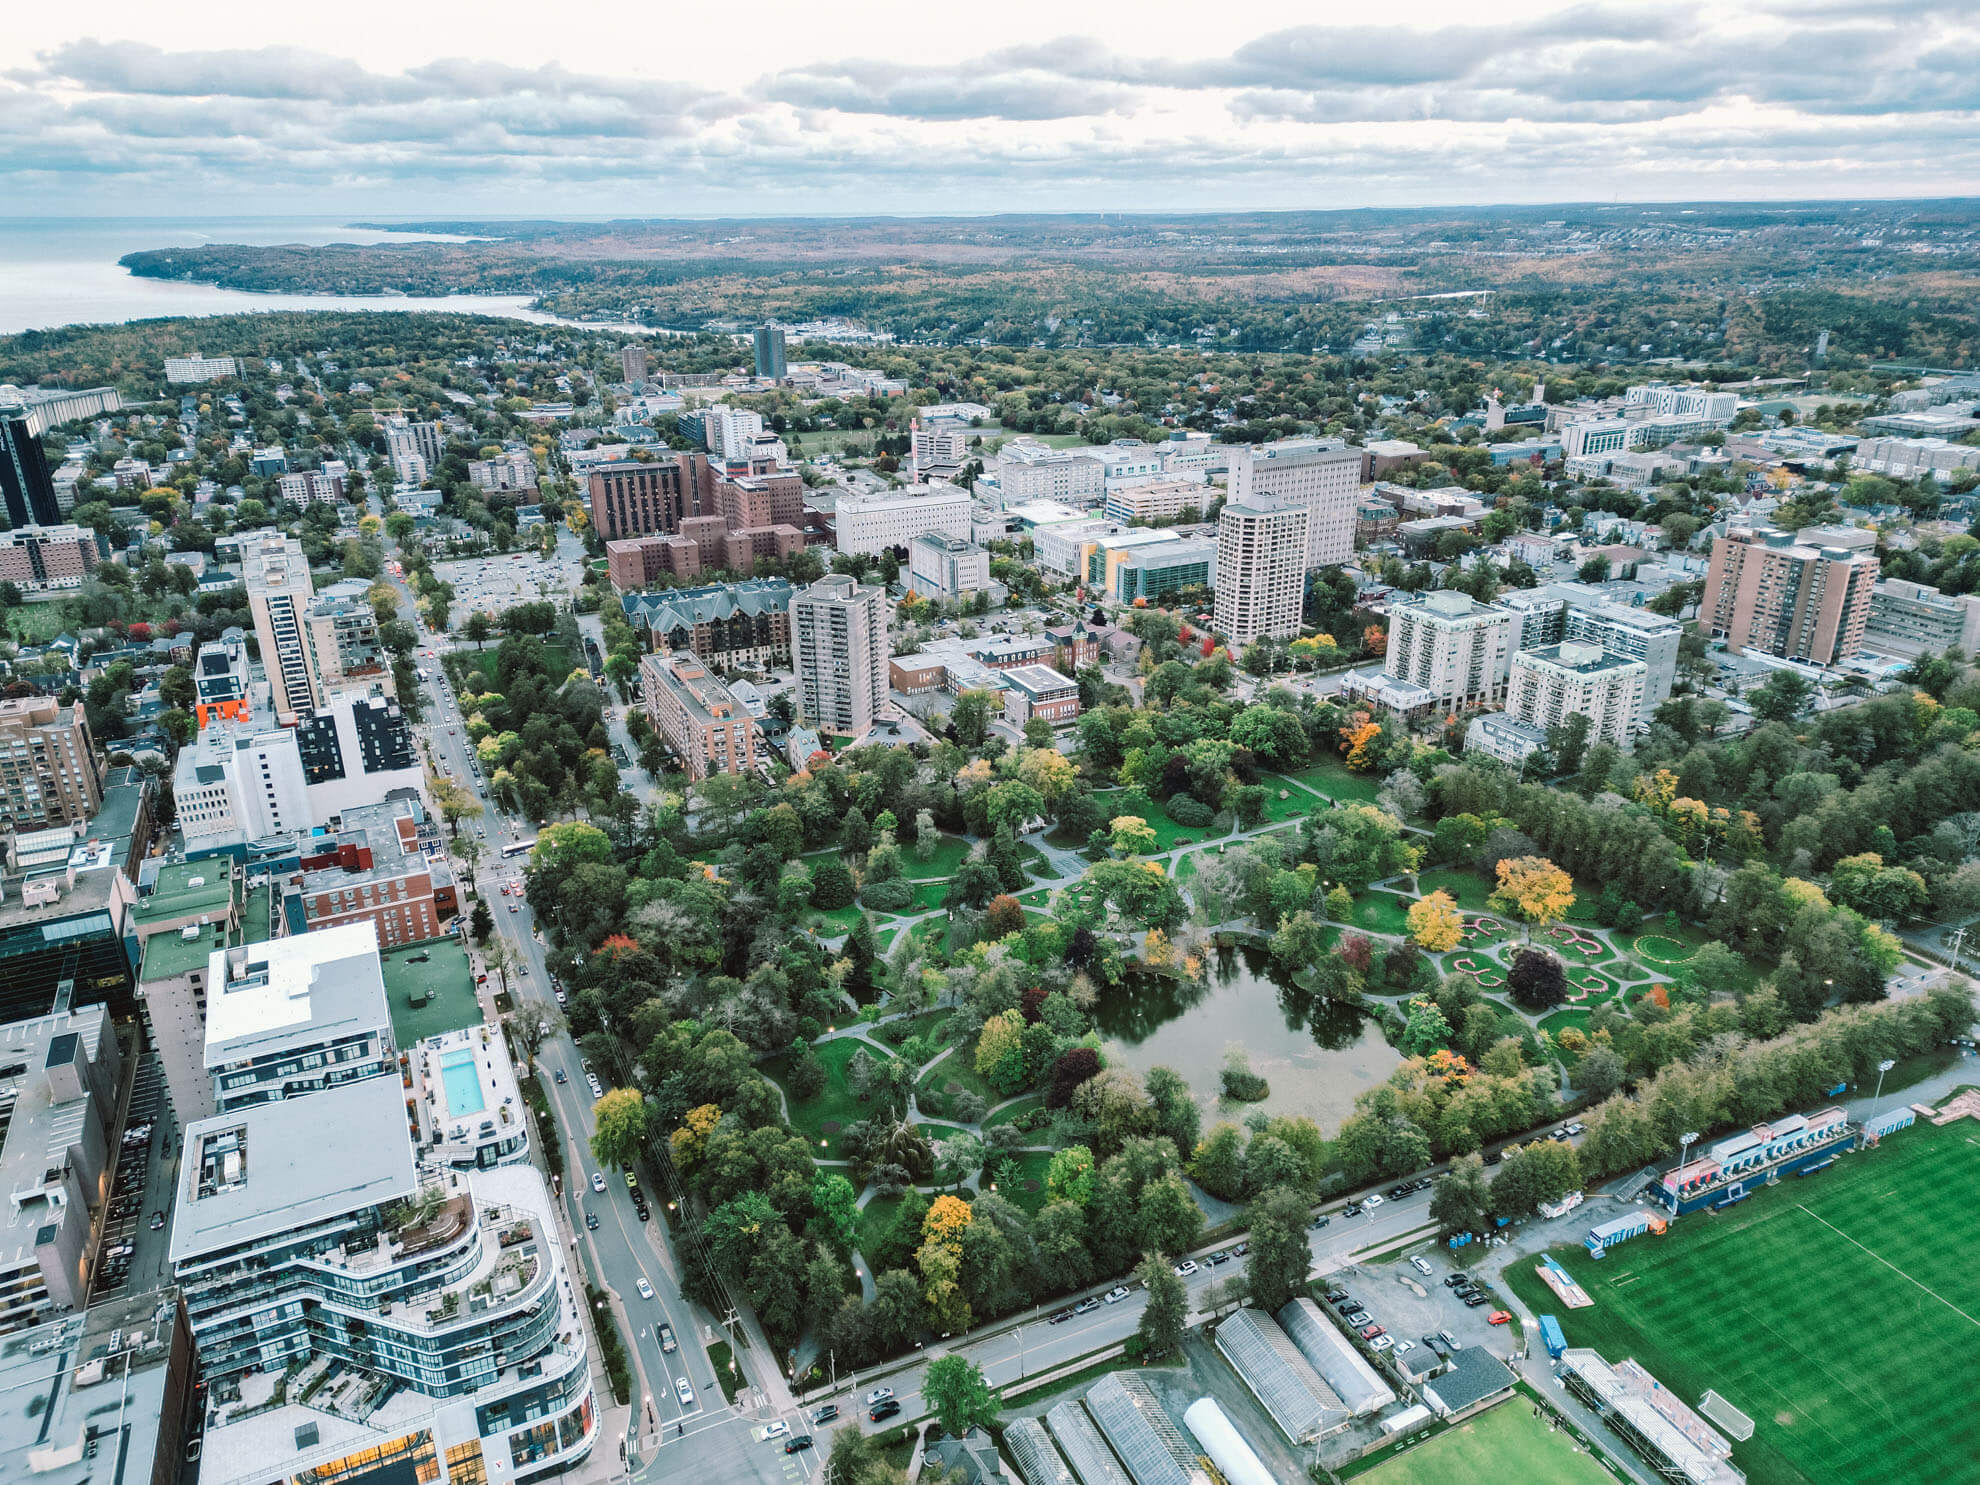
1779 97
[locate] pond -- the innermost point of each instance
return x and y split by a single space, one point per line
1317 1054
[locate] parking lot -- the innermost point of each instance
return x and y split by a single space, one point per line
492 584
131 1255
1411 1306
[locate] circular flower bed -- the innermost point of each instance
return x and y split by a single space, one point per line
1660 950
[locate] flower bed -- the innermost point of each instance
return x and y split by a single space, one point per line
1658 949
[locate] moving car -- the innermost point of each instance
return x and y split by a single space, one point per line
1117 1294
797 1443
1352 1209
560 1076
597 1181
825 1414
645 1289
1085 1305
591 1221
1371 1202
1186 1268
776 1430
666 1338
878 1395
1320 1221
881 1414
684 1392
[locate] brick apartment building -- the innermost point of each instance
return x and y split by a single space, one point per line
1767 591
49 773
372 867
697 716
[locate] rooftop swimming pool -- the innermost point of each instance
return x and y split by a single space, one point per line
462 1081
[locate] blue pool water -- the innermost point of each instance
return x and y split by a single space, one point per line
462 1083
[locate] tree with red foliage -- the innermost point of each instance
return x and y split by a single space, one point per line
1536 980
1074 1067
1032 1003
1356 952
1004 916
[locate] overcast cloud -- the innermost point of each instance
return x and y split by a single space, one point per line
761 108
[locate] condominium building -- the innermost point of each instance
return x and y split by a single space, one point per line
221 678
25 479
769 346
49 559
946 567
1549 685
839 649
514 470
237 782
49 773
423 439
193 910
632 363
1912 619
636 498
189 370
357 748
423 1317
1030 470
1685 402
729 431
1321 476
1910 458
59 1081
697 716
340 631
1453 647
1261 572
1766 591
1584 614
872 524
732 626
279 594
49 407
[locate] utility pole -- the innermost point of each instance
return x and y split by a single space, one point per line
1959 937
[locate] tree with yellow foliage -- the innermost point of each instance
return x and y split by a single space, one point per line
1435 923
1357 738
946 1219
1534 890
689 1140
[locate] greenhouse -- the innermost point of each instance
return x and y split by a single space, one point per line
1297 1397
1142 1433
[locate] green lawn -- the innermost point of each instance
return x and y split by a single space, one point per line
443 976
895 1033
1030 1189
928 895
952 1075
1296 803
1017 1110
1837 1312
1382 912
1466 887
948 858
1331 778
836 1105
834 921
36 623
1503 1443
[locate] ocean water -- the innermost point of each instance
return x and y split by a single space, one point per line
63 271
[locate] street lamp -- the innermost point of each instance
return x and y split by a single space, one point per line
1883 1067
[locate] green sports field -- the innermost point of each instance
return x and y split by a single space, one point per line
1506 1443
1839 1312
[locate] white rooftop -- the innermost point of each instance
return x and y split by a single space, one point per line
308 987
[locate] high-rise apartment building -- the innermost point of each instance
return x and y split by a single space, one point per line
25 478
697 716
188 370
1321 476
1768 592
632 363
221 679
340 631
1261 572
236 782
279 594
1583 614
1549 685
770 354
49 559
1456 649
49 773
1914 619
839 649
638 498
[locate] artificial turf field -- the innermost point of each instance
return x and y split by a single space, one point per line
1841 1313
1505 1443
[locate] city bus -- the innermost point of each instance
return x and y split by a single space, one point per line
520 848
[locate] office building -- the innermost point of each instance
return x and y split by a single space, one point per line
369 865
1261 572
1065 546
1549 685
190 370
102 1397
237 782
839 649
946 567
1320 476
1384 456
1156 572
49 772
1040 691
59 1079
938 452
1914 458
355 749
1159 500
1030 470
193 910
887 519
1554 613
770 354
632 363
423 1317
279 595
1767 591
732 626
1912 619
1684 402
1454 648
49 559
25 479
1595 436
63 904
697 716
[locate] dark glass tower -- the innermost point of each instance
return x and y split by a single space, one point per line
24 477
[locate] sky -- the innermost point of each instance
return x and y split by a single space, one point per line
771 107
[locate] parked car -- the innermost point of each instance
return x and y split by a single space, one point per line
1380 1343
1435 1343
1359 1318
1369 1332
1335 1294
1498 1317
1320 1221
1449 1340
1419 1265
1402 1346
1240 1250
1220 1256
1186 1268
1117 1294
1371 1202
1576 1127
1085 1305
1451 1281
1352 1209
1059 1317
1474 1300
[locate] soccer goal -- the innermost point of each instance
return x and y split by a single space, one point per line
1736 1424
